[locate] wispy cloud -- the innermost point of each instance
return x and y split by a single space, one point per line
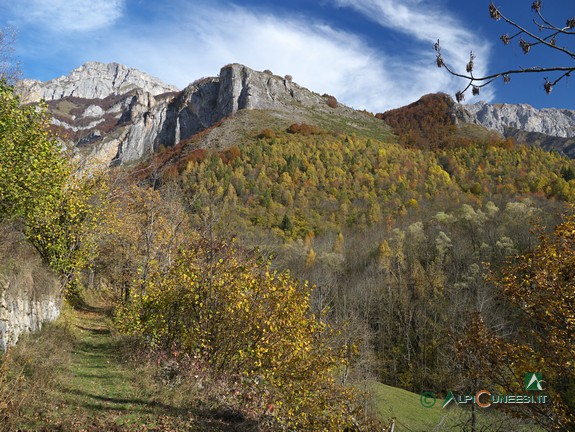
181 41
423 21
68 15
318 56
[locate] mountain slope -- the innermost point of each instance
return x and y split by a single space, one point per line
114 114
547 121
435 120
111 113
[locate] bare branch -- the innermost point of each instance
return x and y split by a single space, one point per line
550 26
535 37
527 41
535 69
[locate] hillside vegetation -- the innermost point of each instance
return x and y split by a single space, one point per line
324 181
283 272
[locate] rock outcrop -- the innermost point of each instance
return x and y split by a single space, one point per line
499 117
93 80
114 114
30 294
22 312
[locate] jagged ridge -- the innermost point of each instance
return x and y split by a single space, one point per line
93 80
548 121
115 113
122 114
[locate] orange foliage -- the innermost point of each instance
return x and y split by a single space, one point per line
330 100
426 123
267 134
230 154
305 129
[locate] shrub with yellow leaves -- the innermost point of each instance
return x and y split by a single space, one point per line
54 202
246 321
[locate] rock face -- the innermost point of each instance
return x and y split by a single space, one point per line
93 80
29 297
113 114
500 117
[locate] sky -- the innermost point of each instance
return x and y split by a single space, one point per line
370 54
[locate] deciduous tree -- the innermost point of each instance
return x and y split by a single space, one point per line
244 320
41 189
541 288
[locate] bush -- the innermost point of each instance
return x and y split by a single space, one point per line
305 129
267 134
330 100
39 187
240 318
231 154
32 170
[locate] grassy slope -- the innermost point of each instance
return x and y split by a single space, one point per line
77 379
244 126
411 416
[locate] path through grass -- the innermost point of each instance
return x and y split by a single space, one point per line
74 375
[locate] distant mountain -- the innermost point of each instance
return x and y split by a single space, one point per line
549 128
435 120
93 80
500 117
116 114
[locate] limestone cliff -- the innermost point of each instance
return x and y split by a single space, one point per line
21 311
113 114
30 294
499 117
93 80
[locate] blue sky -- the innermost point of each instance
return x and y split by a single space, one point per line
370 54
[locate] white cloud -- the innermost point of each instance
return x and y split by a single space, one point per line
187 40
423 21
69 15
319 57
316 55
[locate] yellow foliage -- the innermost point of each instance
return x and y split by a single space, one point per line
541 285
310 259
338 245
245 320
144 231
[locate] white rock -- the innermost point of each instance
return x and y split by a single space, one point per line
23 310
548 121
93 80
93 111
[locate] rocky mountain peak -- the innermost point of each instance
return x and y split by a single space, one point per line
245 88
118 114
500 117
93 80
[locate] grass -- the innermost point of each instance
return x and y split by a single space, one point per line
243 126
410 415
75 375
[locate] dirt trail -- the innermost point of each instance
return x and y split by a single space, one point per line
72 376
